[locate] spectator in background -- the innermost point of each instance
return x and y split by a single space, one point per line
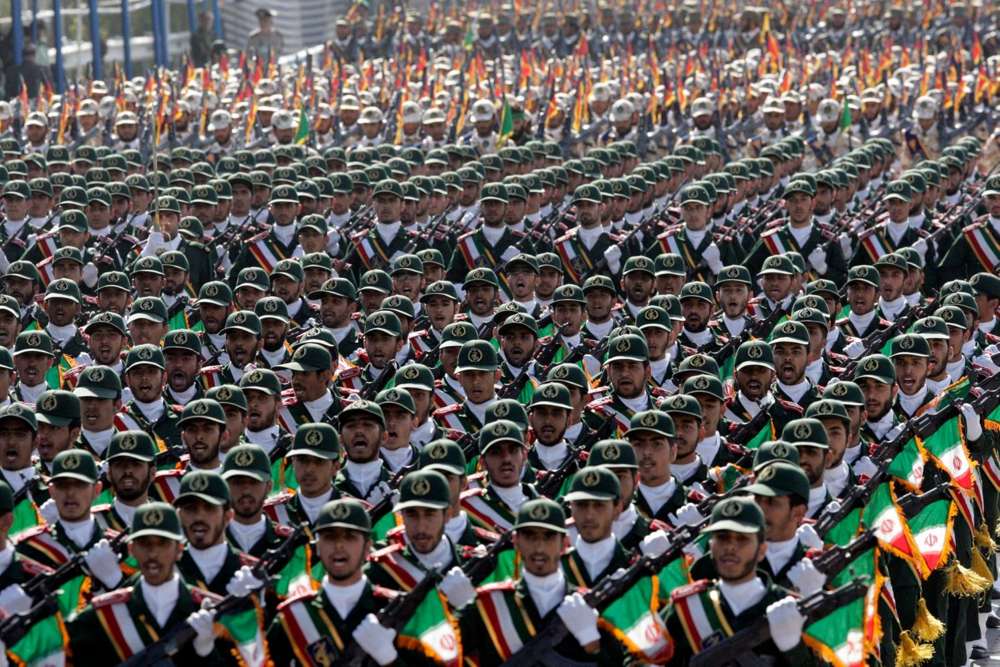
201 41
34 75
265 38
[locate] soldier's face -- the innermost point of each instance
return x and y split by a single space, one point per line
568 314
242 197
424 527
156 556
836 434
478 385
203 523
688 430
480 298
31 367
10 326
381 347
627 377
241 346
335 311
736 555
130 478
54 439
493 211
147 283
891 282
800 207
504 462
40 206
248 495
593 518
790 361
517 344
780 518
638 285
441 311
362 436
938 361
212 316
342 551
911 371
733 298
696 314
812 460
309 385
878 397
236 423
15 207
387 207
993 205
146 382
711 412
21 289
754 381
540 549
261 409
73 497
407 284
398 426
98 414
548 423
183 367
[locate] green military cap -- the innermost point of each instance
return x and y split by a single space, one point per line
383 321
953 316
477 355
11 305
681 404
613 454
72 198
156 520
38 342
136 445
98 382
847 392
57 155
790 332
481 275
255 277
652 421
261 379
754 353
75 464
734 273
222 188
204 409
912 257
145 355
242 320
6 360
863 274
877 367
341 287
695 194
376 280
68 253
424 488
774 450
57 408
500 430
594 483
364 409
73 219
653 317
822 286
508 408
228 394
431 257
898 189
541 513
317 260
587 193
164 204
444 456
290 268
148 264
182 339
398 397
639 263
552 394
309 357
16 190
708 385
400 305
781 479
570 375
20 411
963 300
805 432
388 186
216 293
458 334
344 513
599 282
628 347
315 222
992 186
828 408
524 260
494 192
738 515
811 301
808 315
931 328
406 264
247 460
522 320
699 364
284 194
779 264
205 485
799 185
669 264
149 308
41 186
443 288
892 260
697 290
191 229
271 308
318 440
909 345
414 376
916 180
955 286
204 194
63 288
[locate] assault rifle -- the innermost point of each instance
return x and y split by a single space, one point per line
553 480
480 567
14 627
48 582
759 329
542 358
372 389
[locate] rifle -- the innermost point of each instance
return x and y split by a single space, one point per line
741 433
16 626
480 567
814 607
877 339
161 652
759 329
394 616
373 388
384 506
543 357
553 480
44 584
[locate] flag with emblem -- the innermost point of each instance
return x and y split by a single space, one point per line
947 447
433 631
884 516
838 637
302 131
244 629
908 465
931 530
43 645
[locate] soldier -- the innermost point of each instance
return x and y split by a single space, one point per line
131 466
34 356
266 41
363 431
58 416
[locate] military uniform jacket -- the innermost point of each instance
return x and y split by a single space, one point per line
578 260
120 624
575 568
473 250
285 509
674 503
192 574
677 241
397 567
781 240
294 413
976 249
878 242
166 430
487 510
274 535
346 486
15 245
457 417
264 250
610 407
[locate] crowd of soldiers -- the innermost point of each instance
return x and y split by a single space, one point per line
414 353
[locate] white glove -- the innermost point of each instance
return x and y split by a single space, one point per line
895 431
457 588
785 621
688 515
920 245
855 348
973 423
3 655
806 578
220 251
154 241
580 618
846 245
89 274
203 623
14 600
713 257
102 561
49 511
243 583
614 256
654 544
808 537
377 493
817 259
985 361
865 467
376 640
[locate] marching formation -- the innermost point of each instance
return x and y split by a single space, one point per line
655 335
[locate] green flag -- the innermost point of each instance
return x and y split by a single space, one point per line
884 516
432 631
244 628
302 133
908 465
932 532
838 638
845 118
947 446
506 124
43 645
763 435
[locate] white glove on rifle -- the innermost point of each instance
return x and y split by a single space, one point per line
973 423
90 274
808 537
102 561
855 348
806 578
203 623
846 245
713 258
688 515
614 256
14 600
865 467
49 511
457 588
244 583
654 544
376 640
817 259
920 245
580 618
786 622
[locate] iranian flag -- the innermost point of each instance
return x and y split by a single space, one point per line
763 435
947 447
635 620
932 532
294 577
43 645
433 631
908 465
839 637
244 629
883 516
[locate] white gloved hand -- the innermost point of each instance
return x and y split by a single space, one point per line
243 583
920 245
846 245
808 537
580 618
90 274
688 515
855 348
14 600
713 258
102 561
614 256
985 361
865 467
377 493
376 640
457 588
203 623
49 512
806 578
785 621
654 544
220 251
973 423
817 259
895 431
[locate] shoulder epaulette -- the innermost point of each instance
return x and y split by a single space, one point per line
788 405
32 532
485 535
300 596
690 589
469 493
279 499
385 593
281 530
349 373
448 409
599 403
385 551
507 585
259 237
200 594
114 597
